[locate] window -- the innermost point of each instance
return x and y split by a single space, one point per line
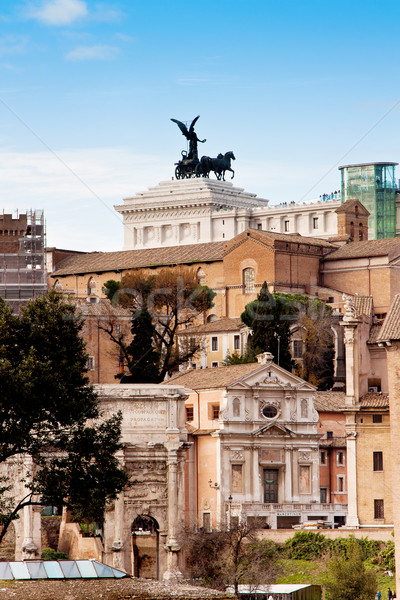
236 342
323 495
378 461
315 222
259 225
377 418
378 509
90 363
248 281
213 412
118 330
323 457
340 458
340 483
214 364
286 226
192 344
329 435
214 344
189 413
297 348
270 411
360 232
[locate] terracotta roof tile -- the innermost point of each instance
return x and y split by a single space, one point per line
223 325
363 305
95 262
374 333
220 377
329 401
366 248
391 325
374 400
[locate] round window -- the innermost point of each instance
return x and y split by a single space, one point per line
270 411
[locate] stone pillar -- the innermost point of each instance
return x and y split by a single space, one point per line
118 543
172 573
29 548
350 323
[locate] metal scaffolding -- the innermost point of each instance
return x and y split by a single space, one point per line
22 257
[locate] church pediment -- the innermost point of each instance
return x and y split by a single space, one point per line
273 430
270 375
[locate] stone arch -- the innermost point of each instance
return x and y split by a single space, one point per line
145 547
211 318
58 286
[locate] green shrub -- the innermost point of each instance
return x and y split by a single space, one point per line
50 554
307 545
387 556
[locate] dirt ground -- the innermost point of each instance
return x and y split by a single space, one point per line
106 589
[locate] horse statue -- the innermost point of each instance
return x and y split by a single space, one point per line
219 165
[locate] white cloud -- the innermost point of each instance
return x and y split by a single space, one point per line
13 44
98 52
59 12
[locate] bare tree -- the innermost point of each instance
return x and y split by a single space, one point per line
230 557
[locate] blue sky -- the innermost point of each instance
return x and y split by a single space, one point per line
294 88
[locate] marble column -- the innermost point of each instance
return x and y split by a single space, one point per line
29 548
118 543
172 573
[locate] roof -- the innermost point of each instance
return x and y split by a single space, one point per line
220 325
279 588
363 305
95 262
366 248
329 401
271 236
391 325
370 164
374 333
350 204
374 400
58 569
219 377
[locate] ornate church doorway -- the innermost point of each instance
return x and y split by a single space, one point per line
145 547
271 486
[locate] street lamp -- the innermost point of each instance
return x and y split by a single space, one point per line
230 509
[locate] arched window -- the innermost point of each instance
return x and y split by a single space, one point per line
91 286
248 281
211 318
201 276
58 286
360 232
351 230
